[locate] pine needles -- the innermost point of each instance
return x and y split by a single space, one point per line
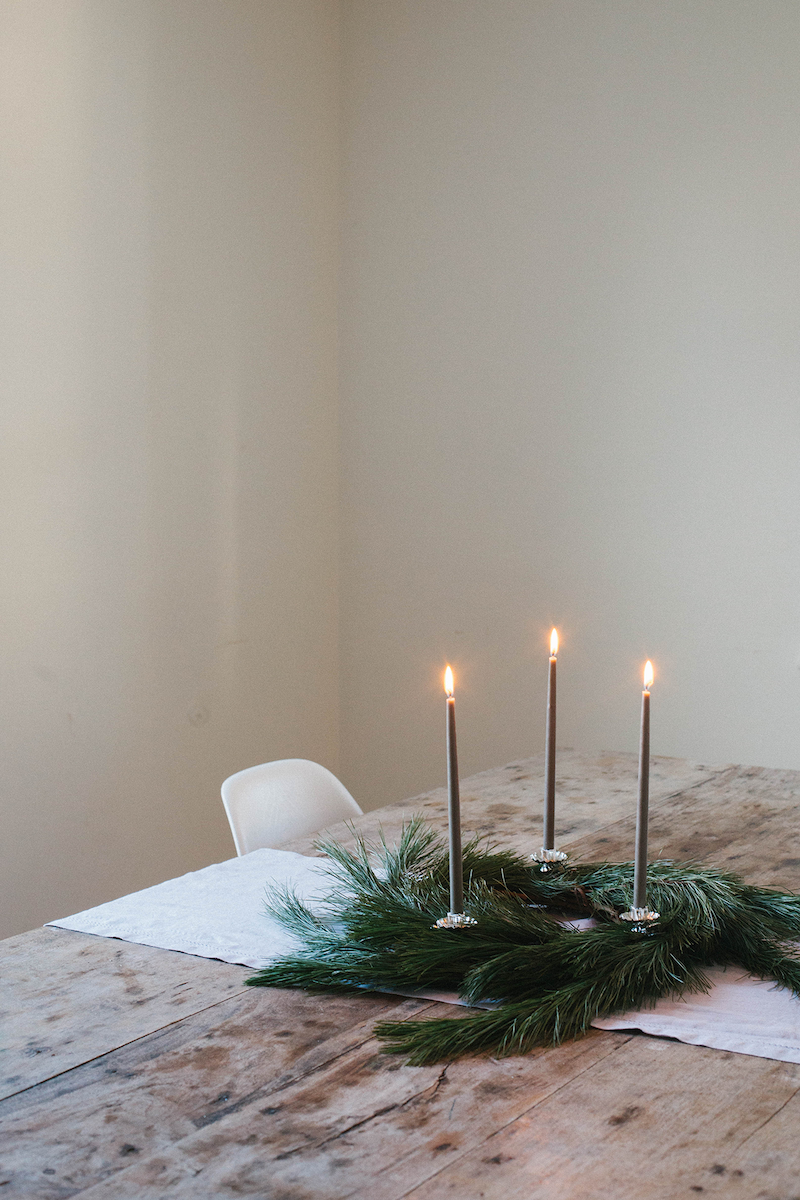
549 980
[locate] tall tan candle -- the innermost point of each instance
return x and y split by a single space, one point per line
548 839
453 801
642 811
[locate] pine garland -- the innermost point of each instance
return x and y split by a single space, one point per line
549 981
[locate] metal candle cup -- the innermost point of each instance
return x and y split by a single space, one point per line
642 811
453 803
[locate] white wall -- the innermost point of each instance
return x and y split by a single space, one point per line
168 473
571 303
569 315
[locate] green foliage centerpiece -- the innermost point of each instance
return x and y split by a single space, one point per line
546 979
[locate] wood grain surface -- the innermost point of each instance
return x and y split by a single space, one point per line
129 1071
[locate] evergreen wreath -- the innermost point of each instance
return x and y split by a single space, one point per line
547 980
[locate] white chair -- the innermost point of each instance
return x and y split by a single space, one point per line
278 801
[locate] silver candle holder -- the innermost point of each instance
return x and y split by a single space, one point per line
548 859
455 921
640 918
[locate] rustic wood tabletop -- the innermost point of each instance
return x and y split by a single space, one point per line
132 1072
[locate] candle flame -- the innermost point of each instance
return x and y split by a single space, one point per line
648 675
448 680
554 643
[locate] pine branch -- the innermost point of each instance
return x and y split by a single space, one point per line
550 981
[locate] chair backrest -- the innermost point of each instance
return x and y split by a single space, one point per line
278 801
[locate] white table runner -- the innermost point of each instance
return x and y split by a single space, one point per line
218 912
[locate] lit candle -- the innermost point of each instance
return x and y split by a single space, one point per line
548 840
453 801
640 859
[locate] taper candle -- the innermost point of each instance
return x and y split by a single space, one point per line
453 801
548 839
642 811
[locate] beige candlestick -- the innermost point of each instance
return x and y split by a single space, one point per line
453 802
549 834
456 917
548 857
643 807
640 916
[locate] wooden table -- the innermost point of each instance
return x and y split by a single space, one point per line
134 1072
